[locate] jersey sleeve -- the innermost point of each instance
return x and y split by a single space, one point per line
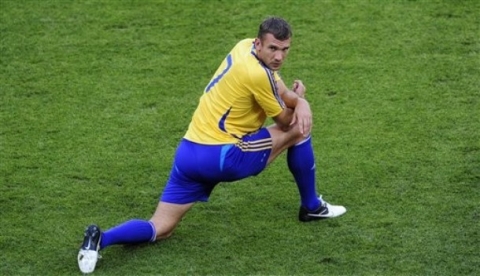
263 85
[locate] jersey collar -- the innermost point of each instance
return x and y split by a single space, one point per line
254 53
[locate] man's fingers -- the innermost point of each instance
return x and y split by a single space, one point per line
294 120
301 127
295 86
309 129
306 127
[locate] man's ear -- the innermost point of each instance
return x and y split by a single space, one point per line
257 43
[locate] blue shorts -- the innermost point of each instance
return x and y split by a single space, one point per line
198 168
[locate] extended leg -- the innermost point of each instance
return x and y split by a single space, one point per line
160 226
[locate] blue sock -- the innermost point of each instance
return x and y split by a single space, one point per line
301 163
130 232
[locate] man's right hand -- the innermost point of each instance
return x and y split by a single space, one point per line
302 115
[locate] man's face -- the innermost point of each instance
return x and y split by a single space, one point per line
272 51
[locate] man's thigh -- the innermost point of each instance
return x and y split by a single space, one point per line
282 140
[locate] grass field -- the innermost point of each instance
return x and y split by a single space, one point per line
95 95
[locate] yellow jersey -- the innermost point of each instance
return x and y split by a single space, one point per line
237 100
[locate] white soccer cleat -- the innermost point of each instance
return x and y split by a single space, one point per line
326 210
87 260
88 254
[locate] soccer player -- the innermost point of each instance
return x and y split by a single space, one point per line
227 141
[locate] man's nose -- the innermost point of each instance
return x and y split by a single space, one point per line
279 56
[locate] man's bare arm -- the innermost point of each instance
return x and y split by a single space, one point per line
298 109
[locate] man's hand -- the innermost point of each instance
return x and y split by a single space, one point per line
302 115
299 88
298 110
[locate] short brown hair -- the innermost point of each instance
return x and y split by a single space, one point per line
276 26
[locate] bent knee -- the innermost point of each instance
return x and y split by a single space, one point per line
285 139
295 135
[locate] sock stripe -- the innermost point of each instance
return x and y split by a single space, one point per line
303 141
154 232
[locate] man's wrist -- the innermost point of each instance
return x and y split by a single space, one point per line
300 99
300 95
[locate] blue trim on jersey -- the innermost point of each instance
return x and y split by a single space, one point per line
271 78
273 84
215 80
221 123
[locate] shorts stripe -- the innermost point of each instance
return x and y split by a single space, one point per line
255 145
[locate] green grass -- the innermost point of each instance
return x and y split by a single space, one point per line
95 95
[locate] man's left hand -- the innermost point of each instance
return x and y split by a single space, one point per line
299 88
